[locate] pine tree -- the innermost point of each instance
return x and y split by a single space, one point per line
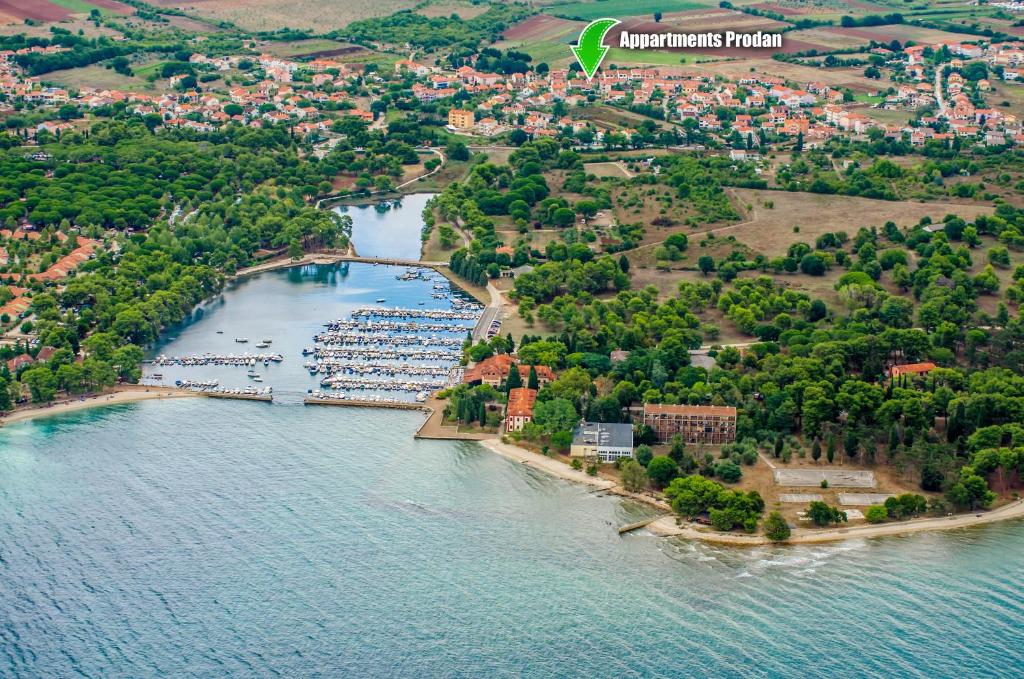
815 449
778 445
850 444
532 382
830 451
894 438
956 424
514 380
511 343
483 413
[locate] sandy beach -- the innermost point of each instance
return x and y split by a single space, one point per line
288 262
125 394
546 464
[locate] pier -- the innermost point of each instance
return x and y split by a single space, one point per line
263 398
637 525
363 403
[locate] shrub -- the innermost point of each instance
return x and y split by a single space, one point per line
876 514
775 528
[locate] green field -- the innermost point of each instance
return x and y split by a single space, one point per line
301 47
82 7
621 55
618 9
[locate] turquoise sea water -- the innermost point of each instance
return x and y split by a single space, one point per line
205 538
210 538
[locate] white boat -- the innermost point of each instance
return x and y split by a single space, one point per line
242 340
262 345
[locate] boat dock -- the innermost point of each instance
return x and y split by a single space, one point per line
363 403
263 398
382 349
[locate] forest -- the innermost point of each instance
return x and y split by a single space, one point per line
815 374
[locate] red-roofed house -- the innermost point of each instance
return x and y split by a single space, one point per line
519 410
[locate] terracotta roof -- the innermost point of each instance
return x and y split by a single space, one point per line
665 409
520 402
911 369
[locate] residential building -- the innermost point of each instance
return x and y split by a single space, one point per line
911 369
696 424
495 369
460 119
519 410
605 441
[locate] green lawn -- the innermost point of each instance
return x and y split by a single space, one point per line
620 9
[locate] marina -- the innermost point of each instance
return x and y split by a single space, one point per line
351 346
374 355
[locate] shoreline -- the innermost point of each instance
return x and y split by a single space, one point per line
666 527
117 396
559 470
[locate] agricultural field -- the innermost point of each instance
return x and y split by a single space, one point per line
544 37
106 7
42 30
300 48
269 15
101 78
902 32
16 11
852 78
588 11
620 56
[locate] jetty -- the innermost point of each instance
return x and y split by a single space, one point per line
240 360
240 396
637 525
364 403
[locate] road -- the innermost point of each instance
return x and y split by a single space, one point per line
943 112
490 313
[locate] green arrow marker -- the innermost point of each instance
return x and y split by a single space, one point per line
588 50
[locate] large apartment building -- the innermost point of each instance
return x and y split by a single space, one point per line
696 424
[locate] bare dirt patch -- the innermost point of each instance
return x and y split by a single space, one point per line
612 169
